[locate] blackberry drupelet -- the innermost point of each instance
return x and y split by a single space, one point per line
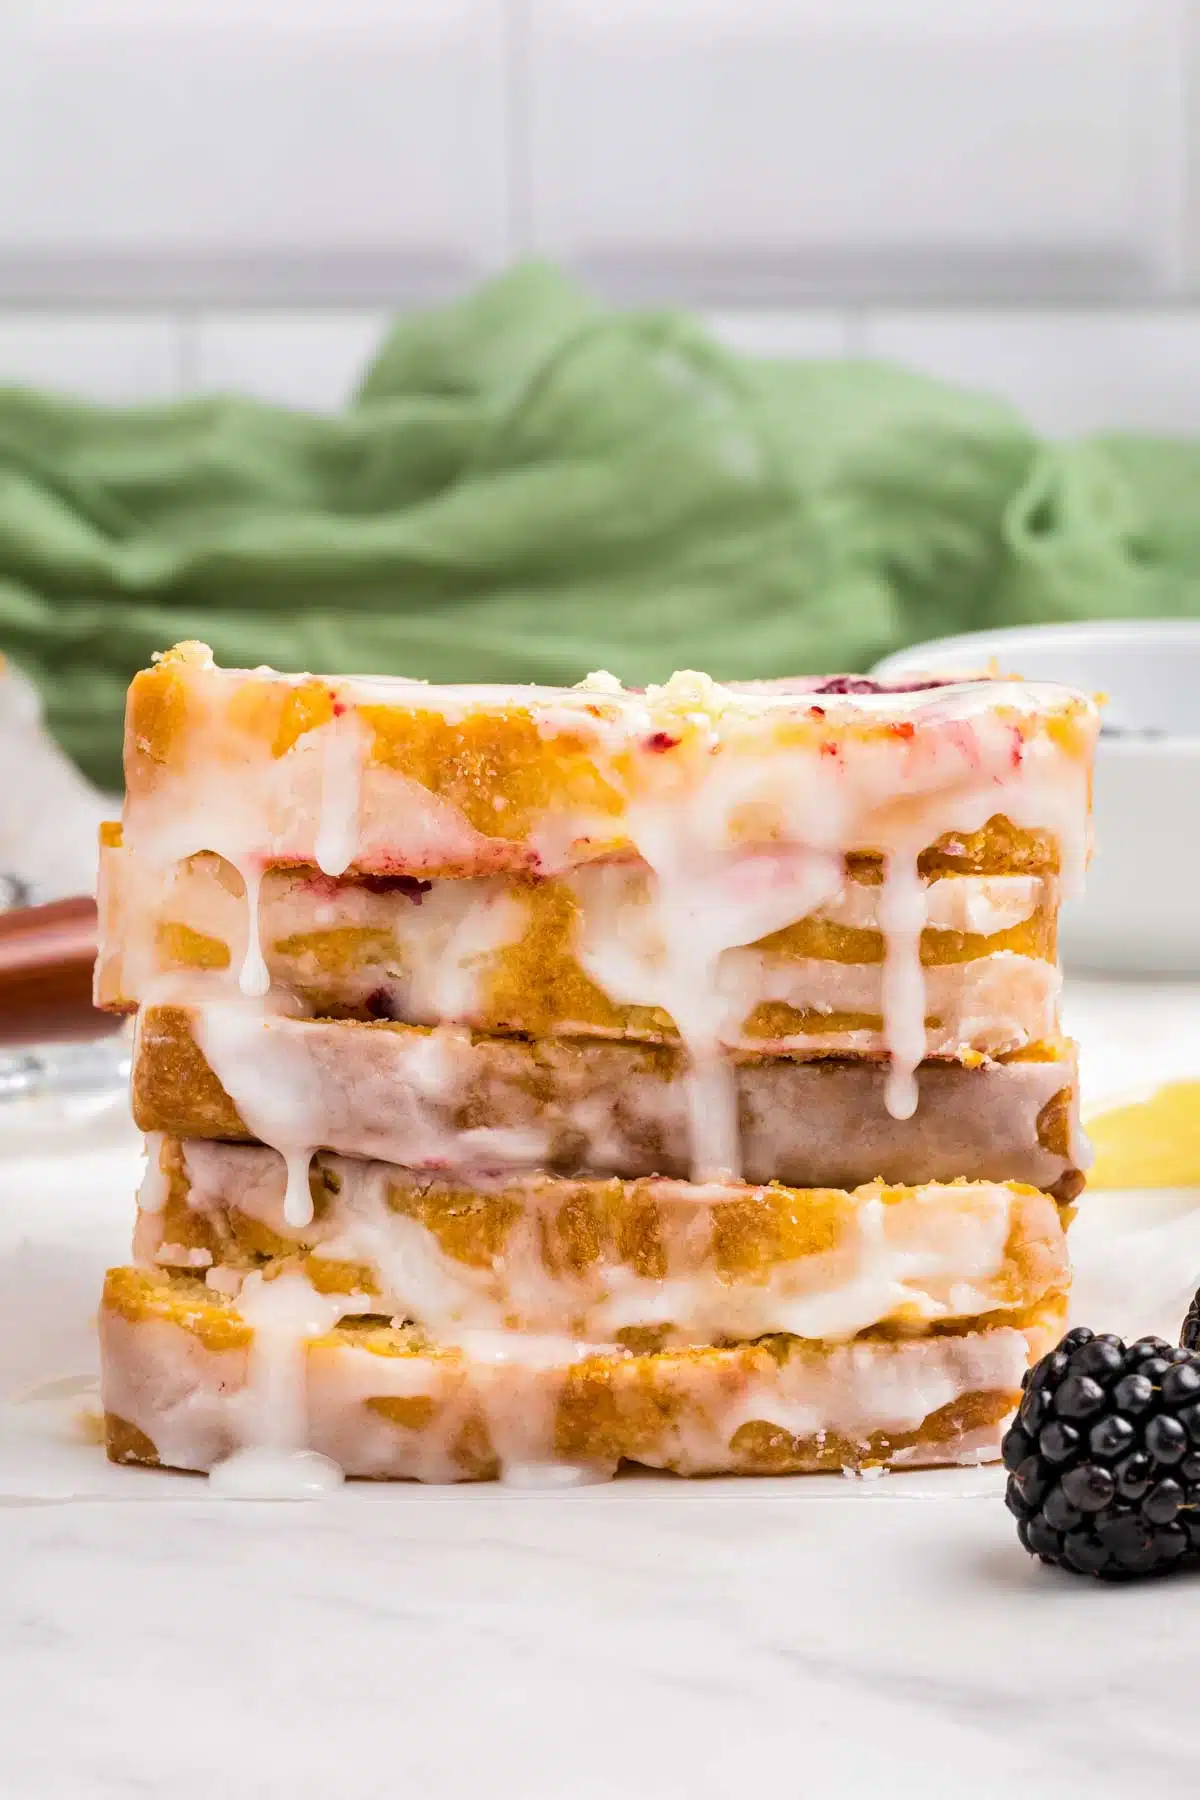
1189 1336
1104 1456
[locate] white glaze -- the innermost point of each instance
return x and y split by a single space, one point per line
395 1093
270 1411
657 1604
453 919
452 938
432 956
188 1400
259 1473
931 1256
155 1187
954 773
668 951
341 781
553 1477
254 979
957 756
278 1106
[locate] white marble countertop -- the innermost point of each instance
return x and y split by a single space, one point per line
680 1644
654 1638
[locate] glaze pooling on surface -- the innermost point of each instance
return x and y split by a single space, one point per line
269 1414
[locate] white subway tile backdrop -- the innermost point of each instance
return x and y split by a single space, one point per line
308 359
1002 192
109 357
783 333
1067 371
251 152
776 149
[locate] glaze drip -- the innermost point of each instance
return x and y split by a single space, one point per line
902 920
277 1100
155 1189
254 980
341 786
271 1417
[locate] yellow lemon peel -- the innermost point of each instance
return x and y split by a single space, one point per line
1149 1143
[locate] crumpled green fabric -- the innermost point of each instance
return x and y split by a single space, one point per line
530 485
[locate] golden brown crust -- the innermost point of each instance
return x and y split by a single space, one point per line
607 1409
506 762
183 1301
571 1229
595 1106
175 1090
124 1443
766 1449
172 1081
342 947
167 1297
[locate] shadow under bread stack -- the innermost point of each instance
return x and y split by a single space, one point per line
541 1079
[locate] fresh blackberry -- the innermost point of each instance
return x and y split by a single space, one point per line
1189 1337
1104 1456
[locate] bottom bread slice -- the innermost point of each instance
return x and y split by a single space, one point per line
185 1377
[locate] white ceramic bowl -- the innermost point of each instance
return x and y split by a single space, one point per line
1141 910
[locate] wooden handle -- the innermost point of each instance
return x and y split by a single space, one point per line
46 959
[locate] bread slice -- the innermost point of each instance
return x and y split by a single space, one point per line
640 1263
391 776
386 1403
560 956
449 1099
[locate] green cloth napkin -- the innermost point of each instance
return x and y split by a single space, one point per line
529 486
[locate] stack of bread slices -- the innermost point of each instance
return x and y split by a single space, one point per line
537 1080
